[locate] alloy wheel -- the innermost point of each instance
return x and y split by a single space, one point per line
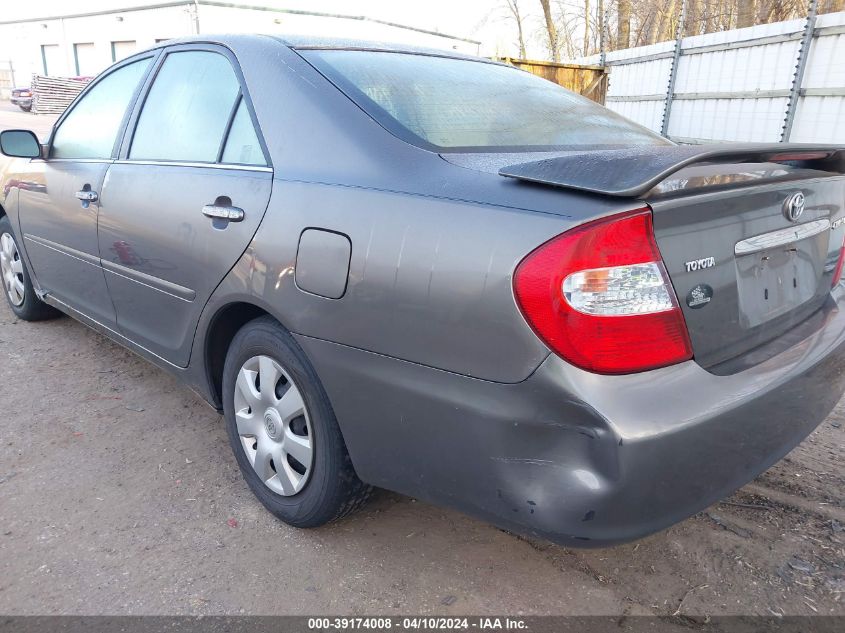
11 268
273 425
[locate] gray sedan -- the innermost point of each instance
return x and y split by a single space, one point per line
440 275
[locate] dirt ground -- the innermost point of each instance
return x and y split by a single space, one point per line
12 117
119 495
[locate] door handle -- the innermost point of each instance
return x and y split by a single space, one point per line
87 195
221 212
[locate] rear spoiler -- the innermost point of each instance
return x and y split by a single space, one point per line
633 171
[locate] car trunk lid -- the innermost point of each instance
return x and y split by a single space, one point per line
743 270
746 266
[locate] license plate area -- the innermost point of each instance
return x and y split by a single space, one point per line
780 271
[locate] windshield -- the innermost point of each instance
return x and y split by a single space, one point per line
447 104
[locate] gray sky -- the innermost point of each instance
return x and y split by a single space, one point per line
444 14
483 20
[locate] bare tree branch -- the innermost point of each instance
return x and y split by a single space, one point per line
513 7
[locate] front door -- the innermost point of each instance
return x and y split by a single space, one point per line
182 204
60 197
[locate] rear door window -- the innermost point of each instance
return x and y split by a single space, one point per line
188 109
242 146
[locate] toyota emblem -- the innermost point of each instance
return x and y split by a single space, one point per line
793 207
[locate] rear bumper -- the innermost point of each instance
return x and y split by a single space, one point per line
21 101
573 457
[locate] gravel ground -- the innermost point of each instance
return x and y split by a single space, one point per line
119 495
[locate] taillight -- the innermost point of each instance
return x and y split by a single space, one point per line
599 296
837 274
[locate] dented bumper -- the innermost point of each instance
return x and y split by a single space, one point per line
574 457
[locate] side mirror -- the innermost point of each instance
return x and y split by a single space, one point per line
20 144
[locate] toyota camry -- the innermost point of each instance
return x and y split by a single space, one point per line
440 275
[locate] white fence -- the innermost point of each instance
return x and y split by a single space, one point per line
735 85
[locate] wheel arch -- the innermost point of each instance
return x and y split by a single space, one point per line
222 328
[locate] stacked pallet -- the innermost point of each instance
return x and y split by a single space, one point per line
51 95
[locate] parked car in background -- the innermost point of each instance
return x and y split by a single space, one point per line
441 275
22 97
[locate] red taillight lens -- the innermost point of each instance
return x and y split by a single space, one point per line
599 296
837 274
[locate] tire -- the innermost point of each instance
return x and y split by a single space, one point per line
25 108
15 281
278 423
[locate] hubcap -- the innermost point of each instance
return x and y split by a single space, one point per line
11 268
273 425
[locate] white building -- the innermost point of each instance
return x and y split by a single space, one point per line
83 44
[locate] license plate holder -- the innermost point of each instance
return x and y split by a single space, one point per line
777 280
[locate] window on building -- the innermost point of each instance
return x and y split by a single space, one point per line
122 49
85 60
50 59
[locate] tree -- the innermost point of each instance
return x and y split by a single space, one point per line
551 31
571 28
747 13
587 17
711 19
602 26
623 23
513 7
567 26
694 18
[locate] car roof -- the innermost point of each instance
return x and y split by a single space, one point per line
305 42
310 41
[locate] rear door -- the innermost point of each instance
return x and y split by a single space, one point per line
59 197
182 203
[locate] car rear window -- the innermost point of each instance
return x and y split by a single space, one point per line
448 104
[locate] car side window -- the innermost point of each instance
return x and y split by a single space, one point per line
187 110
242 146
90 129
